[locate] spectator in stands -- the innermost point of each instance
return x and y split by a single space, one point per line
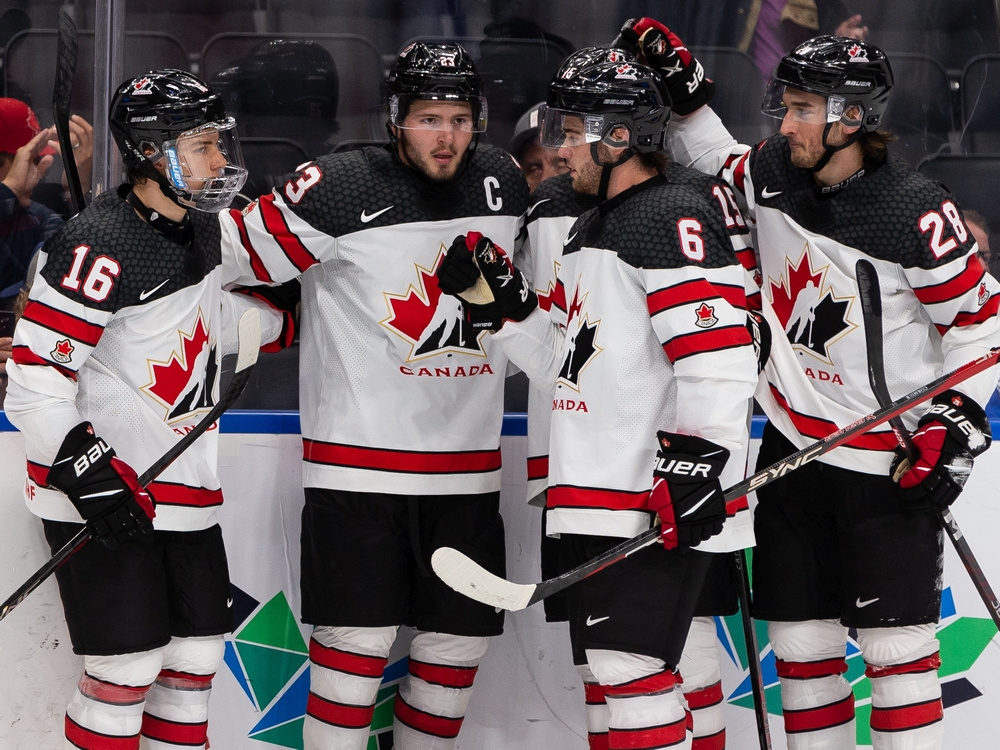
537 163
26 153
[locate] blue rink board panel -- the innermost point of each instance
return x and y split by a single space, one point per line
287 423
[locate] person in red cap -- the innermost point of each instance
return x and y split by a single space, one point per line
26 153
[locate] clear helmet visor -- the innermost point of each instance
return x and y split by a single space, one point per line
566 128
445 112
205 165
781 101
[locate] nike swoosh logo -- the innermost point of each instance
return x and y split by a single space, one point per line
595 620
859 604
366 217
697 505
569 239
765 193
533 206
146 295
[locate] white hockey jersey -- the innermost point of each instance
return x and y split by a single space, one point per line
397 394
939 302
126 329
646 332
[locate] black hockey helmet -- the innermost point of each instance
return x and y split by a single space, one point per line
282 77
608 88
846 72
173 118
441 72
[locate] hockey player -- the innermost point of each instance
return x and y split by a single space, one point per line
840 543
116 356
401 421
651 296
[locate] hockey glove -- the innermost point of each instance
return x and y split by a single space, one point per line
760 335
686 491
285 299
458 275
104 489
949 435
507 285
663 51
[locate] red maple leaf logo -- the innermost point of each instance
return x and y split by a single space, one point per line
412 311
63 351
168 380
706 316
784 293
575 306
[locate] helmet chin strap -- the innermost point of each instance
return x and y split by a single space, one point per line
602 189
831 150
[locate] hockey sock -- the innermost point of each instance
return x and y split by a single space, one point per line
433 698
106 708
597 709
902 664
816 700
645 707
176 714
345 671
702 686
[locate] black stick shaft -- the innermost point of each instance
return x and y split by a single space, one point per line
753 652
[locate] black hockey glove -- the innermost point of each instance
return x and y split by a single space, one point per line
686 491
508 286
458 275
104 489
760 335
949 435
284 298
653 42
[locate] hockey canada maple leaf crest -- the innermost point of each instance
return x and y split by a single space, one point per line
63 353
429 320
185 383
580 346
812 315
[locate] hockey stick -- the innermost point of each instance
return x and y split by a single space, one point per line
249 337
871 308
753 652
471 579
65 69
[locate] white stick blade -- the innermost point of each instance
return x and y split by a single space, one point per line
471 579
249 333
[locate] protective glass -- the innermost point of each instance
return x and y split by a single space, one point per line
817 113
474 122
207 164
563 127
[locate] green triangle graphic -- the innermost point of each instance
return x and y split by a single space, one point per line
382 717
274 625
268 669
962 642
285 735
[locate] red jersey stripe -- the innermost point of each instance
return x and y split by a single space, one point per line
361 665
986 312
817 429
412 462
170 493
593 693
538 467
806 670
174 732
691 292
747 259
701 342
902 718
256 265
436 674
654 683
666 735
739 170
38 473
928 664
588 497
955 287
63 323
87 739
735 506
436 726
24 356
710 696
824 717
291 245
715 741
339 714
559 296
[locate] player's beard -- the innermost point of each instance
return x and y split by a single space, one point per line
806 156
586 177
424 162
